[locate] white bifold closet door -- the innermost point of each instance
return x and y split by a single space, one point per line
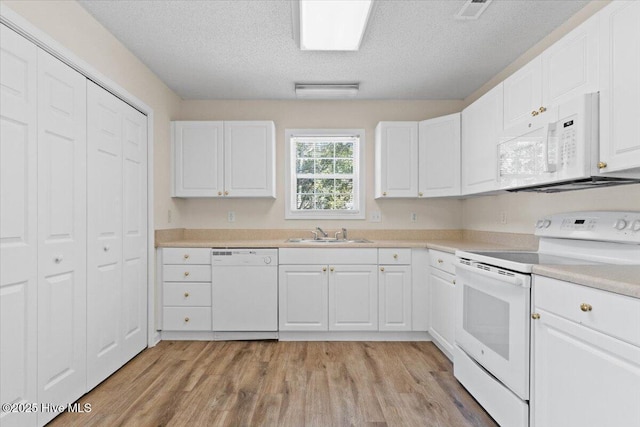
62 228
116 252
18 226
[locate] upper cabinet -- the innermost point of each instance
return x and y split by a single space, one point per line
439 157
566 69
396 159
481 124
620 86
223 159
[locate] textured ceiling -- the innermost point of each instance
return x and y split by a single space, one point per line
246 50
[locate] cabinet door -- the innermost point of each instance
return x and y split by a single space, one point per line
582 377
620 86
396 159
395 298
198 160
523 93
570 66
303 298
481 122
442 310
18 225
62 233
439 157
420 290
249 153
353 298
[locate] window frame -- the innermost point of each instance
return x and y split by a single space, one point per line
359 177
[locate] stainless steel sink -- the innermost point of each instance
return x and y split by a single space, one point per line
327 240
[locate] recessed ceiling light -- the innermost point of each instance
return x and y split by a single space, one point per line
319 91
472 9
333 24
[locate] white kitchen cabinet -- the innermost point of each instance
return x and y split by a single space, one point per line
18 226
481 124
223 159
439 157
442 300
353 298
522 93
117 233
62 231
396 159
565 70
420 290
303 298
586 356
394 282
186 289
620 86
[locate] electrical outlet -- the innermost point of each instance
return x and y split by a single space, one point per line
503 217
169 215
375 216
414 217
231 216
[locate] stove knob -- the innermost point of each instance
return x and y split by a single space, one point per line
539 223
267 260
546 223
620 224
636 225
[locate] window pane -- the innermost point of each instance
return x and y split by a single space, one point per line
344 150
324 166
304 185
343 201
304 201
304 149
344 186
305 166
344 166
324 149
324 186
323 201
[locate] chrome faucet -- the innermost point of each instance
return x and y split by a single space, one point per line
344 233
321 231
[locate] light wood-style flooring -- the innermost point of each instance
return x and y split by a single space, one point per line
269 383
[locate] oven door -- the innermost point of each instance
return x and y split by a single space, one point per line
492 321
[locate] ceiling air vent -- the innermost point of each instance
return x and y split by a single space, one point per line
472 9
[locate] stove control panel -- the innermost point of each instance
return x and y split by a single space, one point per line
609 226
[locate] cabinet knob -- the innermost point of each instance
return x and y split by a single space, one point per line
542 109
58 259
384 193
454 281
331 269
420 194
585 307
381 268
324 268
395 256
186 273
534 113
186 319
602 165
226 193
106 248
186 294
186 256
219 193
535 316
440 261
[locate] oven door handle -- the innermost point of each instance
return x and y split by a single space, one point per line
512 280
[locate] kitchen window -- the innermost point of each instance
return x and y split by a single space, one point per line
325 174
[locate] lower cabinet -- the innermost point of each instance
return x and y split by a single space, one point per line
395 297
353 298
442 300
303 298
586 356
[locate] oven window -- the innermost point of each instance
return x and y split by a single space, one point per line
487 319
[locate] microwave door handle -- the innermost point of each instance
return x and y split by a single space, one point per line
548 167
516 281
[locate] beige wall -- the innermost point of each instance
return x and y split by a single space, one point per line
72 26
257 213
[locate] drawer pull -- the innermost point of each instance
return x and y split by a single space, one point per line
324 268
440 261
454 281
395 256
186 294
332 269
535 316
186 256
381 268
186 273
585 307
186 319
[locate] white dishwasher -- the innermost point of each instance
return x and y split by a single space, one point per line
244 290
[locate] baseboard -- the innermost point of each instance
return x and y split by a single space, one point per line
353 336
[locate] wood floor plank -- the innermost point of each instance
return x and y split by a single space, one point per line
270 383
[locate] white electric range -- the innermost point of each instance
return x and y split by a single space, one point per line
493 297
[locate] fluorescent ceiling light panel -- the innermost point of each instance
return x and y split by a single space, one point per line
333 24
320 91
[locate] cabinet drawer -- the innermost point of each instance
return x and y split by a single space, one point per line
186 318
612 314
391 256
443 261
186 273
186 256
187 294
